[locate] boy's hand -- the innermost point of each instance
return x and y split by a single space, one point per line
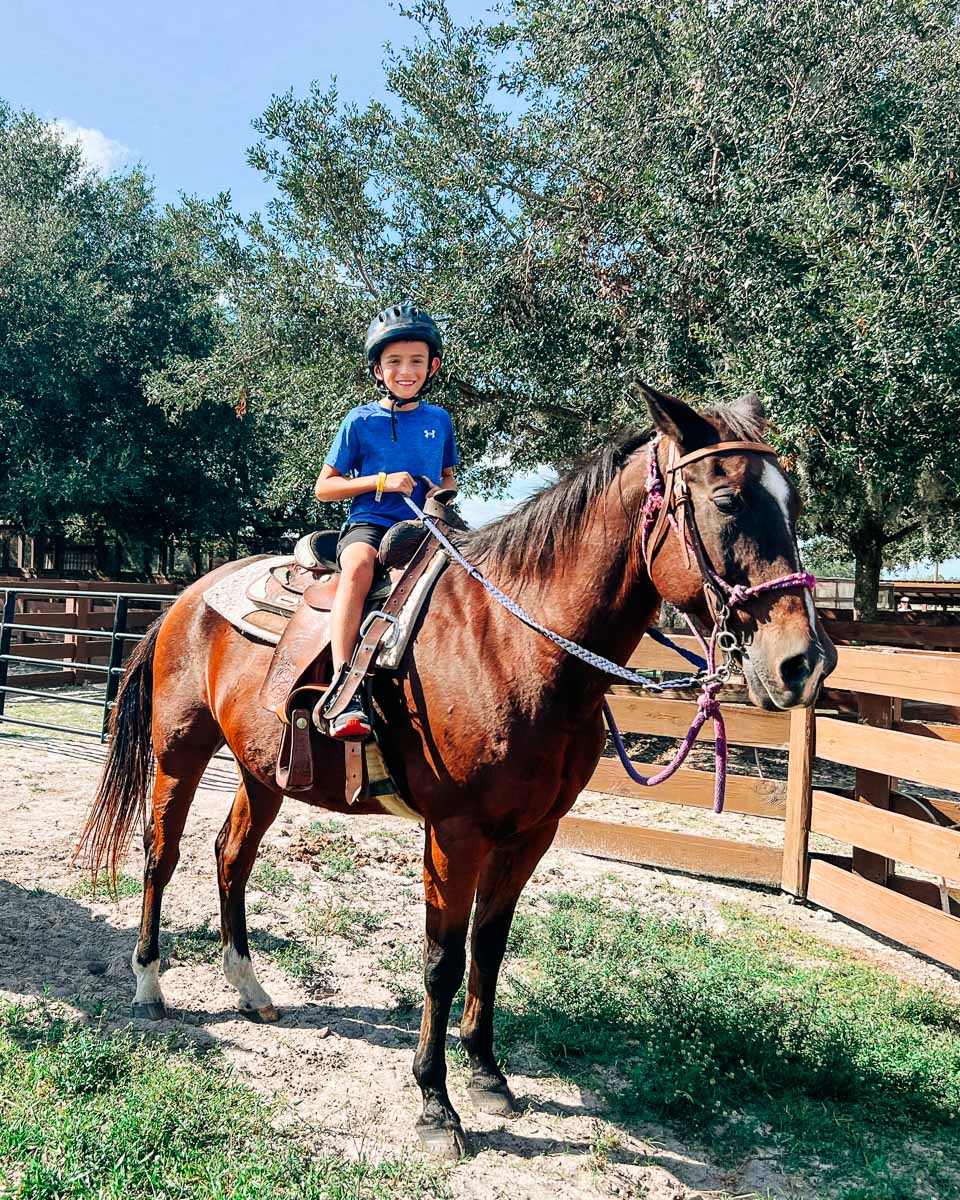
400 481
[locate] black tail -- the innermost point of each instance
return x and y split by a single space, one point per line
128 772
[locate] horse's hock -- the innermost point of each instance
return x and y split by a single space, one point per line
890 716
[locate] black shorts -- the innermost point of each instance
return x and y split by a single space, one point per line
366 532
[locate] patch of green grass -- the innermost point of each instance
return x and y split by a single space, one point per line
201 944
55 710
403 969
295 958
90 889
275 881
195 944
754 1038
95 1116
335 850
353 922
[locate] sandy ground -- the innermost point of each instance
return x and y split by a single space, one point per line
339 1061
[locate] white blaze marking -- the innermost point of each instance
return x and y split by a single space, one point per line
148 981
775 482
240 973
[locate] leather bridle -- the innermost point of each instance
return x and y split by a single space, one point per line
668 506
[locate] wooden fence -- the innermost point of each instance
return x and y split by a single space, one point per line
903 725
887 715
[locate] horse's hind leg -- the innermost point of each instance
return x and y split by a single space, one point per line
175 785
451 866
254 811
502 878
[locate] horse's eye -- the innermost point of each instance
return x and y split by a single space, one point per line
727 502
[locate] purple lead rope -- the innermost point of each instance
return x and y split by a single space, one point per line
707 706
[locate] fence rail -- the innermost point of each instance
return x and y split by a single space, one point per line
870 727
92 643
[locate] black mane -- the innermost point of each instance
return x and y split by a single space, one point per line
526 542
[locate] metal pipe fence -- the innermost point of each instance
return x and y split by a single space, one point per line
118 637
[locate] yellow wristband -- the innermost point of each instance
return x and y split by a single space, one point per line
381 484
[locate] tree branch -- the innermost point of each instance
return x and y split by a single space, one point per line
903 533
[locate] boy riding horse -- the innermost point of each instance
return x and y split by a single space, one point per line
383 451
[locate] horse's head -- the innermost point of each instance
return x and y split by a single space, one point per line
736 511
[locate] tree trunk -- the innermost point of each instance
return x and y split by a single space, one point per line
102 553
866 584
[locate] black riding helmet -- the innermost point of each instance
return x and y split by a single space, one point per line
402 322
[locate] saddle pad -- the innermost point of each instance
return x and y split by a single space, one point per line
228 598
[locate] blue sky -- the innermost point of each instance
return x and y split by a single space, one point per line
175 85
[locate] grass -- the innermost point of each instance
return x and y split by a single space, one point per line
335 851
91 1115
275 881
352 922
201 944
57 710
755 1039
89 889
403 970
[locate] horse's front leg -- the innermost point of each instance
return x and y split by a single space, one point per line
502 879
451 868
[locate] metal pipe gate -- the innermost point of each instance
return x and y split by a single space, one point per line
118 635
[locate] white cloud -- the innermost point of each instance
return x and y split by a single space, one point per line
99 152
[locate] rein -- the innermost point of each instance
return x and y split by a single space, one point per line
667 506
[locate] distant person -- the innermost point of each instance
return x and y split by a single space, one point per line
380 454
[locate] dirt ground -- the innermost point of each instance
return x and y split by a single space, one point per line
339 1060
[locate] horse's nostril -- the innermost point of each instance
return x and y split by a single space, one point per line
795 671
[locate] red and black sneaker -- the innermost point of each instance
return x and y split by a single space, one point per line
353 722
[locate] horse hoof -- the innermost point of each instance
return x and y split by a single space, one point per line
149 1010
497 1101
448 1143
261 1016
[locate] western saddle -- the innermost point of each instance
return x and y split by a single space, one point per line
298 596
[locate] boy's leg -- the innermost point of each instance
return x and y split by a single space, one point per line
356 565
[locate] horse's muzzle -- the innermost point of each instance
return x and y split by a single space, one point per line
788 674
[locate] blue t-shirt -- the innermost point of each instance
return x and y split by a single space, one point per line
364 446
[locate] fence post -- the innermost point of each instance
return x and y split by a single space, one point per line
874 789
78 608
6 638
114 663
796 862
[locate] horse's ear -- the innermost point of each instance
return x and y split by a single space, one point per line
751 414
678 420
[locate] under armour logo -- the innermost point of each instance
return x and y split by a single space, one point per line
430 433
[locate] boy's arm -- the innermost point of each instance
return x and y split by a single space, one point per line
331 485
448 479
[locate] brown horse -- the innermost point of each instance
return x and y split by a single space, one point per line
490 730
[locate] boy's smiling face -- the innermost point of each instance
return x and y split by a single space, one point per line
404 367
